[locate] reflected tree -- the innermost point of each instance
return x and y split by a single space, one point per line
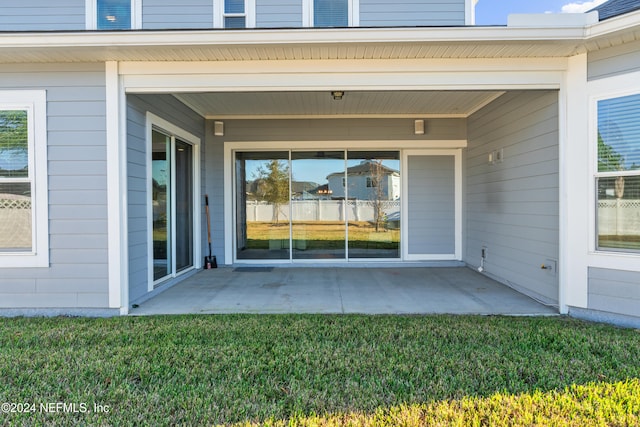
273 185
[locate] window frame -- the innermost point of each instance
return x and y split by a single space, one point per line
595 174
219 14
35 103
91 15
353 13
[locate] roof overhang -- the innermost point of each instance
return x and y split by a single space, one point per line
541 39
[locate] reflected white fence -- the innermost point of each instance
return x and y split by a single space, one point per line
322 210
619 217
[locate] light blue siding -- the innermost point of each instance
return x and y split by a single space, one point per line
78 274
42 15
170 109
512 206
170 14
614 291
375 13
614 61
431 205
278 13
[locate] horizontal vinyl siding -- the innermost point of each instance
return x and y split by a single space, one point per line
170 14
512 207
78 272
42 15
170 109
278 13
431 205
342 130
411 13
614 291
614 60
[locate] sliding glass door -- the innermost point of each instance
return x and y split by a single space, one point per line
172 205
317 205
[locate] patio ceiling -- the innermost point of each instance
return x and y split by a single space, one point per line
369 104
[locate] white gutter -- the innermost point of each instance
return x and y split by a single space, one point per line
287 37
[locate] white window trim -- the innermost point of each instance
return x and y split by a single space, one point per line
601 89
91 14
249 13
354 13
35 103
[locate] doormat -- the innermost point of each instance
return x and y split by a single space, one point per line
252 269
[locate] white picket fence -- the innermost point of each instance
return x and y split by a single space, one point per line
321 210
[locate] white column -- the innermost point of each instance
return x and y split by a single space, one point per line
574 186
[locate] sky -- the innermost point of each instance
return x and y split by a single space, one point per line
494 12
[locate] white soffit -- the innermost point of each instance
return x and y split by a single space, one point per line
370 104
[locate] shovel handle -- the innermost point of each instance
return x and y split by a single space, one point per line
206 208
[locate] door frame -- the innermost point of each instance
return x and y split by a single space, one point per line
154 122
457 155
431 147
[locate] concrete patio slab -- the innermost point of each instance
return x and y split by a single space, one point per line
403 290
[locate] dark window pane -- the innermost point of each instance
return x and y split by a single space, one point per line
330 13
234 22
14 144
114 14
233 6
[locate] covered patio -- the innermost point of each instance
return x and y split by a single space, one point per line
388 290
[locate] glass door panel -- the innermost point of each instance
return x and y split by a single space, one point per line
373 207
262 205
317 205
161 202
183 205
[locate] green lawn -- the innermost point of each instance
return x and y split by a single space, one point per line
319 370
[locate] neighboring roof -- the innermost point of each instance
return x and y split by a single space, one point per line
613 8
366 168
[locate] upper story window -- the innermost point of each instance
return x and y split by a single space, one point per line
330 13
113 14
618 173
234 13
23 180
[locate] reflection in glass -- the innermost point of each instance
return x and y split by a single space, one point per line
14 144
161 184
184 205
262 226
618 206
318 223
15 216
373 207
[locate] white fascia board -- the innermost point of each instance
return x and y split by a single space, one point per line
627 22
287 37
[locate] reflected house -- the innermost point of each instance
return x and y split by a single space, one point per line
369 180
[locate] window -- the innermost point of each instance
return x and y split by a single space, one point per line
23 179
114 14
618 174
330 13
235 14
372 182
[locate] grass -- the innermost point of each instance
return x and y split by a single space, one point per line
323 235
321 370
